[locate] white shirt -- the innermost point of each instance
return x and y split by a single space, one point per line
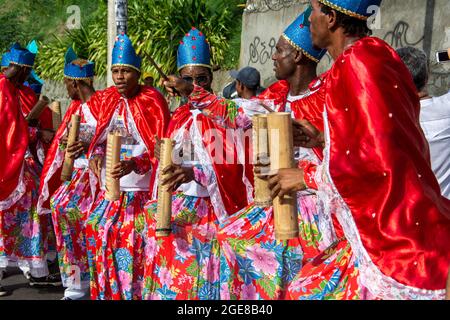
435 122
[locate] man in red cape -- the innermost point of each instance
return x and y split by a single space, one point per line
114 229
376 181
22 231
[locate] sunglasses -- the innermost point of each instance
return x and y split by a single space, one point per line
199 79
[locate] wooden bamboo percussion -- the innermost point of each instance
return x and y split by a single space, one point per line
164 207
55 106
113 146
261 151
74 131
38 108
282 157
447 295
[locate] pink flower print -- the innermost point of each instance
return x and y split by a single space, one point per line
225 292
25 202
165 277
9 219
154 296
207 230
202 209
182 248
229 254
234 229
177 206
27 229
125 280
151 248
263 260
248 292
210 270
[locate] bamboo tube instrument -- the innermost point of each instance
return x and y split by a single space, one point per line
55 106
164 206
282 157
261 152
74 131
36 112
113 146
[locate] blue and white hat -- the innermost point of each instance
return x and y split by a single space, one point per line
193 50
299 36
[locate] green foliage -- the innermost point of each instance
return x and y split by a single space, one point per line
156 28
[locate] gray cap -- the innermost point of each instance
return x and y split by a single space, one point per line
248 76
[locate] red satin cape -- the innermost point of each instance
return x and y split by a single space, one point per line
13 138
150 113
229 175
380 165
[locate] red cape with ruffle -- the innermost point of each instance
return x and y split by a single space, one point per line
380 165
55 180
150 113
229 176
13 138
278 92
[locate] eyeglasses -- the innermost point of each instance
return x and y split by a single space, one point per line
199 79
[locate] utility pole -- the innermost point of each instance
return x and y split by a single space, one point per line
117 23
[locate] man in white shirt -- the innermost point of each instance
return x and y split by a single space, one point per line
434 116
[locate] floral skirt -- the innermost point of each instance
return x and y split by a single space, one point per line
333 275
254 265
22 231
70 206
115 244
184 265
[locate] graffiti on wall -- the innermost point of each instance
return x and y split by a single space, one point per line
400 36
260 52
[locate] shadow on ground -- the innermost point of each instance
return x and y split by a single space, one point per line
18 288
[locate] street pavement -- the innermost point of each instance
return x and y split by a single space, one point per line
18 288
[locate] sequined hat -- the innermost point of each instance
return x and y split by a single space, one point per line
123 53
24 57
360 9
7 55
74 71
193 50
299 36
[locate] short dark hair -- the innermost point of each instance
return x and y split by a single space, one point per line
352 26
418 64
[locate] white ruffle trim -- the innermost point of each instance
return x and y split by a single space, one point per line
44 195
379 285
16 195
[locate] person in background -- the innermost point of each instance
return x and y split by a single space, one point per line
229 92
248 82
148 79
434 116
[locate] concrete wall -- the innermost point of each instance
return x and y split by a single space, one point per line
420 23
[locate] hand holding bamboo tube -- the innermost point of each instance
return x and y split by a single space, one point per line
282 157
113 146
38 108
66 174
261 151
55 106
164 207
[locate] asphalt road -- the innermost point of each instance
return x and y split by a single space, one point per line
19 289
